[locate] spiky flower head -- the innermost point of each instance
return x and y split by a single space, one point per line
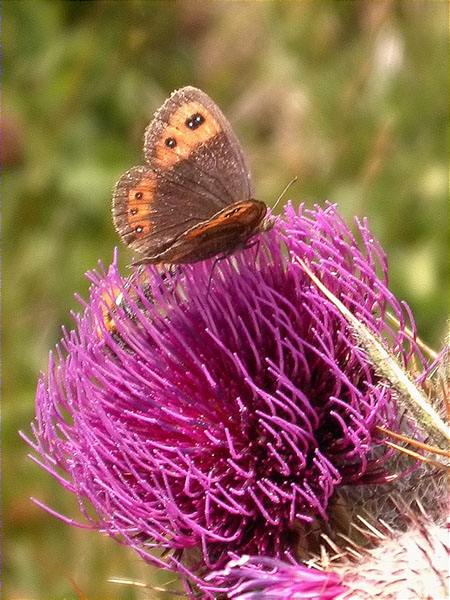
222 419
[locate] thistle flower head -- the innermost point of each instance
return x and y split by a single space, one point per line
223 420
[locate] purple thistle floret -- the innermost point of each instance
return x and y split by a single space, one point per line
407 564
223 418
262 577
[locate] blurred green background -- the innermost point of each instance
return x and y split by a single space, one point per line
352 97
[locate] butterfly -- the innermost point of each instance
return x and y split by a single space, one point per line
193 199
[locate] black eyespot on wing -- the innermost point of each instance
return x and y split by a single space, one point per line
138 195
195 121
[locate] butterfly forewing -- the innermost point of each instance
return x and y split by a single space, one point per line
196 170
192 142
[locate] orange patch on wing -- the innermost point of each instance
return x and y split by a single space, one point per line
140 199
243 213
186 139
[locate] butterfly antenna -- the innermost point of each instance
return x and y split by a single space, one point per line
292 181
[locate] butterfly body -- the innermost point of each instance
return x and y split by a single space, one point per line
193 199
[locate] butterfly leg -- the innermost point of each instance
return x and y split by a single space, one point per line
256 243
171 276
215 263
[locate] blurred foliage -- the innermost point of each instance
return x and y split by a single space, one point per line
350 96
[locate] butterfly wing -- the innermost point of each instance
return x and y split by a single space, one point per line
147 217
205 153
195 168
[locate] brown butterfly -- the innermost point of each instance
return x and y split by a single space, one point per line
194 198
